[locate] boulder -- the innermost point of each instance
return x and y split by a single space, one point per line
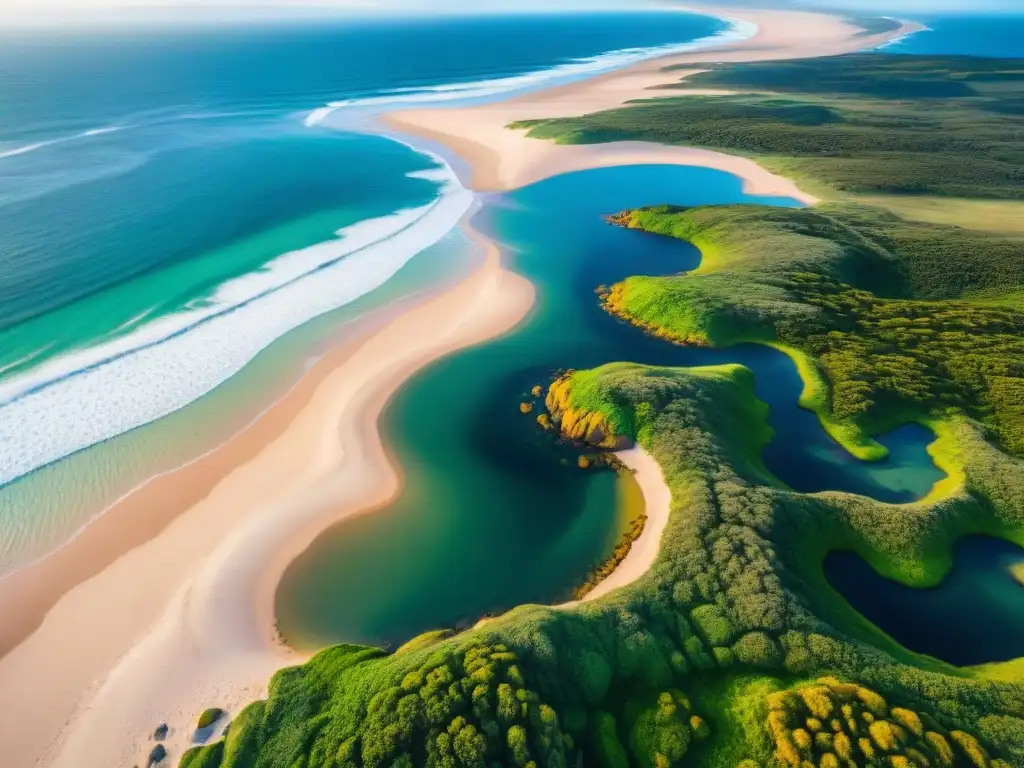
156 755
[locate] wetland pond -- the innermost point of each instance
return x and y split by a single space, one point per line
974 616
488 518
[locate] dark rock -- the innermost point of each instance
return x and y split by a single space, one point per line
160 733
157 754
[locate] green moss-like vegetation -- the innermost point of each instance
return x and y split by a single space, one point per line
829 289
732 609
209 717
887 320
865 123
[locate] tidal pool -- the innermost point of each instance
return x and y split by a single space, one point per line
488 518
975 616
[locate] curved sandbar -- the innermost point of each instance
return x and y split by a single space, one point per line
168 628
503 159
157 621
657 505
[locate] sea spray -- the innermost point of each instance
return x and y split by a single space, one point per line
85 397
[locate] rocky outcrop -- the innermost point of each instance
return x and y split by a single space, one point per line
579 425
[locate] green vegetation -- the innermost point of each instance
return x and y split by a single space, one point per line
869 123
734 608
209 717
705 661
831 723
832 284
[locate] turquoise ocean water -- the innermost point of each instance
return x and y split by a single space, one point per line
992 35
185 222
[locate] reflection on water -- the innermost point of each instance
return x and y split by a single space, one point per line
975 616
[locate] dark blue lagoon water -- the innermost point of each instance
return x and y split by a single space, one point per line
172 202
488 518
975 616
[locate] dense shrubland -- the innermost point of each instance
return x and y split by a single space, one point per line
832 724
736 594
820 281
708 659
868 123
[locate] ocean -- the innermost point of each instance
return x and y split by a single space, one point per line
965 34
189 216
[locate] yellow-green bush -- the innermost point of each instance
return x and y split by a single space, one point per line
894 737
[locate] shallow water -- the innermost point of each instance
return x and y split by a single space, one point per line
169 218
975 616
489 519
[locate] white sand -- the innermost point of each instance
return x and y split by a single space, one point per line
176 615
505 159
657 506
169 628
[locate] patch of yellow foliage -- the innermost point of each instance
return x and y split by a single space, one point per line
834 724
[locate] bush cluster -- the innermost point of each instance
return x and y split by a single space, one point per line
469 707
867 123
832 724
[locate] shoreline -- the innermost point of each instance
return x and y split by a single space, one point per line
188 638
181 616
644 550
500 158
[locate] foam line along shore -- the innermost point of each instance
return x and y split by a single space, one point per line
188 604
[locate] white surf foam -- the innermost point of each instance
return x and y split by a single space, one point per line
77 400
901 38
59 140
85 397
738 29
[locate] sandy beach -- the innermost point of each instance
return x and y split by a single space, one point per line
184 620
503 159
164 605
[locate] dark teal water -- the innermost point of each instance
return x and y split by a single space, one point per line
489 519
997 35
975 616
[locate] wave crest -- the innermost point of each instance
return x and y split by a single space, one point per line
82 398
738 29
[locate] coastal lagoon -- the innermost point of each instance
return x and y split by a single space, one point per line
178 246
489 518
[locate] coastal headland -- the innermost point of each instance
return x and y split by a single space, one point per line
164 605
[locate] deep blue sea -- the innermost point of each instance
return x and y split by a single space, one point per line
175 202
999 36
